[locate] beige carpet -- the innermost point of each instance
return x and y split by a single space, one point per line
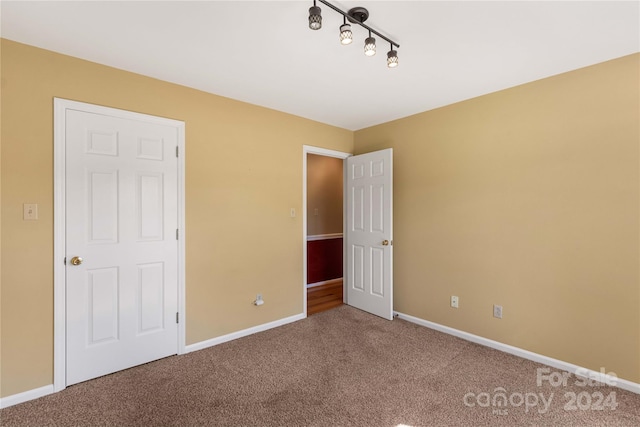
342 367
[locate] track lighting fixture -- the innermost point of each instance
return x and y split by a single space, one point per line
356 15
346 36
315 17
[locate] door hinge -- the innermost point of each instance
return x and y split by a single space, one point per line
177 234
177 151
177 317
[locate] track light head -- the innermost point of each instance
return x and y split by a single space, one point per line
392 58
346 35
315 17
370 45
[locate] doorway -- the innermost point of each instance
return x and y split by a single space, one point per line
324 233
323 213
367 251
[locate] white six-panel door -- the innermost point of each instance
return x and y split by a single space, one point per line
121 220
369 237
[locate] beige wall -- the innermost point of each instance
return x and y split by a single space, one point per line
324 193
243 175
527 198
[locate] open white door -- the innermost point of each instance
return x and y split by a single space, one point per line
369 234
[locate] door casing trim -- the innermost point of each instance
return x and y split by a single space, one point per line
60 107
309 149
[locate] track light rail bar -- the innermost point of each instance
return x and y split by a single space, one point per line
362 24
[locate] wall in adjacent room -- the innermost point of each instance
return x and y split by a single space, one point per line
324 195
526 198
243 176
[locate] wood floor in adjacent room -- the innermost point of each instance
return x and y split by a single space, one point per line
324 297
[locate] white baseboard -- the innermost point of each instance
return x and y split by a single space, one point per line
324 282
525 354
14 399
243 333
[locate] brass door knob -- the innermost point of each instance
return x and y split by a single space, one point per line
385 243
76 260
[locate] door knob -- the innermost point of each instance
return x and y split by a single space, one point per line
385 243
76 260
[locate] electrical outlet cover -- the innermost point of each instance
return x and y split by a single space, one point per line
454 301
497 311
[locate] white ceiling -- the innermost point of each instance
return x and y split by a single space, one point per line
263 52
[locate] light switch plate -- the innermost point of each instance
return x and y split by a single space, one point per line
30 212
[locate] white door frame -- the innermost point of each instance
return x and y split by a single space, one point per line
309 149
59 225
